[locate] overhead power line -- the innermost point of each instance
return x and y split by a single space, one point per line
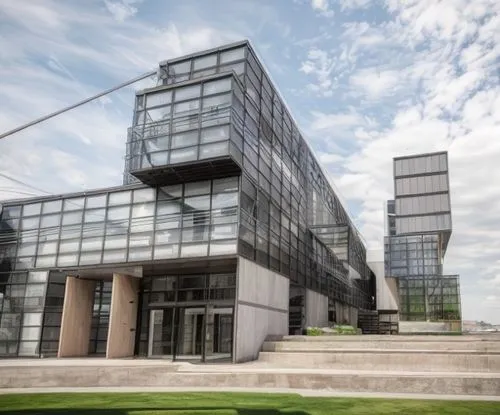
78 104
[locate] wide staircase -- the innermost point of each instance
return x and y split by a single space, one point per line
450 365
433 364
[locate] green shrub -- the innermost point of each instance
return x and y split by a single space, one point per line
314 331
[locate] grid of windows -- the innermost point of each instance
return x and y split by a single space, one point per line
22 300
421 164
184 124
412 255
430 298
140 224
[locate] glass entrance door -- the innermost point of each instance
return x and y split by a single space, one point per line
161 333
191 333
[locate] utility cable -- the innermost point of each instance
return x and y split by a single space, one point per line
78 104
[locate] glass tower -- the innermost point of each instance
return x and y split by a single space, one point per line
418 230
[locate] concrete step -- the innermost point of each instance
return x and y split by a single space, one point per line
249 376
493 337
303 346
437 361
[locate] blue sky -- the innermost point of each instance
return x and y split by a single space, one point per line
366 80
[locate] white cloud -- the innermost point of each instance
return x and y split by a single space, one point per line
376 83
343 120
122 9
322 7
53 66
354 4
320 65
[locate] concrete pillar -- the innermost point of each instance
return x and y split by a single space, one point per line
76 319
122 316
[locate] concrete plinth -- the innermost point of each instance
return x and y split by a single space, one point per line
122 316
76 319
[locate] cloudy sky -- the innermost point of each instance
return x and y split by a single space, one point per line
366 80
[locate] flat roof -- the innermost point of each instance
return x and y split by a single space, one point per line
414 156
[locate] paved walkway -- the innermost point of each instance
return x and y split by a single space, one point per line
302 392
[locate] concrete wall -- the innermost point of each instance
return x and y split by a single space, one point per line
76 318
261 308
316 309
387 292
122 316
346 314
408 327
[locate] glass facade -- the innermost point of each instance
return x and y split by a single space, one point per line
215 167
418 231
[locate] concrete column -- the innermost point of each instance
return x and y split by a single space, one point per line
76 319
122 316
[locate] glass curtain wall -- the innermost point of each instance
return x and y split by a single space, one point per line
120 226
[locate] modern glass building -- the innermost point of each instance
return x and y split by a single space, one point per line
225 231
418 229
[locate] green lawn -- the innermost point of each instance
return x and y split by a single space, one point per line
226 404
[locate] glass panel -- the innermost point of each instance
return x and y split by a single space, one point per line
167 237
119 198
197 188
95 215
115 241
183 155
187 107
40 276
143 210
224 185
224 200
223 247
187 92
205 62
96 201
32 319
196 203
213 134
232 55
92 244
119 213
213 150
50 221
52 206
224 231
30 223
185 139
169 192
72 218
138 254
159 98
71 245
216 102
166 251
45 261
141 239
32 209
144 195
181 67
196 249
90 258
68 259
35 290
115 256
47 248
214 87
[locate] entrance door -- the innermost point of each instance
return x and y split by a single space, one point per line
189 329
161 333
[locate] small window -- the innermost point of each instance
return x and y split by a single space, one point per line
205 62
214 87
187 92
232 55
159 98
